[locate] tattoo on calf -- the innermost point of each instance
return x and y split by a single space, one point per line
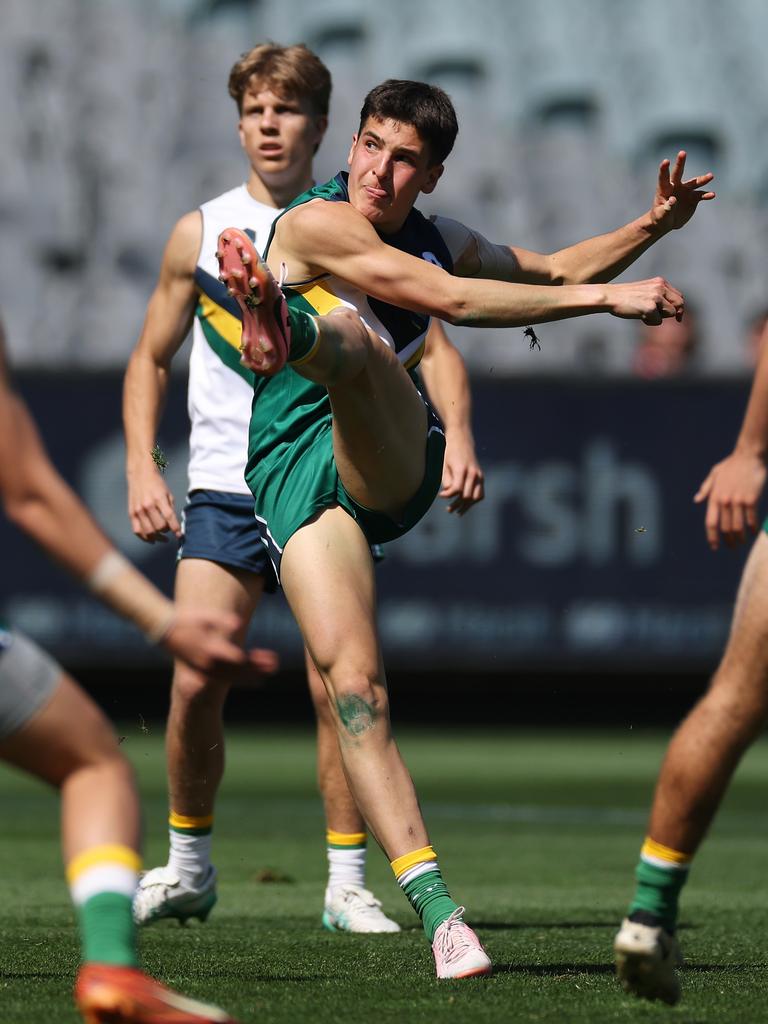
357 716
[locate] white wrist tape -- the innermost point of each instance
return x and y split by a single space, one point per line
111 565
128 593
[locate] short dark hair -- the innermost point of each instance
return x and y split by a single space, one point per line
293 72
424 106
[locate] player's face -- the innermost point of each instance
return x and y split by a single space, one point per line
279 134
389 165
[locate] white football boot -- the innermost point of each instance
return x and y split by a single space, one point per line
647 958
161 894
351 908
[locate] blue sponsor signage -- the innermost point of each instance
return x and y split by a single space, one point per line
587 551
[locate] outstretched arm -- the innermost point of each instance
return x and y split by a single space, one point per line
593 260
606 256
323 237
446 380
733 487
167 322
42 504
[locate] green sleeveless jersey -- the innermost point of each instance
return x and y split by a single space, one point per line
291 416
287 404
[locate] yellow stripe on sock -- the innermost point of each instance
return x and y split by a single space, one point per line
653 849
312 352
345 838
409 860
109 854
187 821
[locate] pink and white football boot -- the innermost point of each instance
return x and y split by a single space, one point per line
457 950
266 338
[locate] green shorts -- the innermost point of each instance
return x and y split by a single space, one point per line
291 487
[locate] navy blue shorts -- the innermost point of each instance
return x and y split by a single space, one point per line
219 526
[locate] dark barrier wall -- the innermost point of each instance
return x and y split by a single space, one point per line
587 552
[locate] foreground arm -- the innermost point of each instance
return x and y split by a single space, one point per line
446 380
733 487
334 237
169 316
39 501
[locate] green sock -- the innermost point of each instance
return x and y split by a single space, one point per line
428 895
304 334
658 891
107 930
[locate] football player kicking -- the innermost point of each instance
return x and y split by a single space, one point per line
345 451
282 96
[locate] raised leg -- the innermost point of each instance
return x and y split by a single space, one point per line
379 419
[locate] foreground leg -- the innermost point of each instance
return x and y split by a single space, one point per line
69 744
697 769
186 886
349 906
327 575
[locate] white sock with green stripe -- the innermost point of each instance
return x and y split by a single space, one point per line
346 859
190 842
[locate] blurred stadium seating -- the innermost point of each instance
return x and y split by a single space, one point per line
116 120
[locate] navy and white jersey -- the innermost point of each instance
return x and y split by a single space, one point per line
220 387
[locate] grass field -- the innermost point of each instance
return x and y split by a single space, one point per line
537 834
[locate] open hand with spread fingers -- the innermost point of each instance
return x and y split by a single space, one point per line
676 200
